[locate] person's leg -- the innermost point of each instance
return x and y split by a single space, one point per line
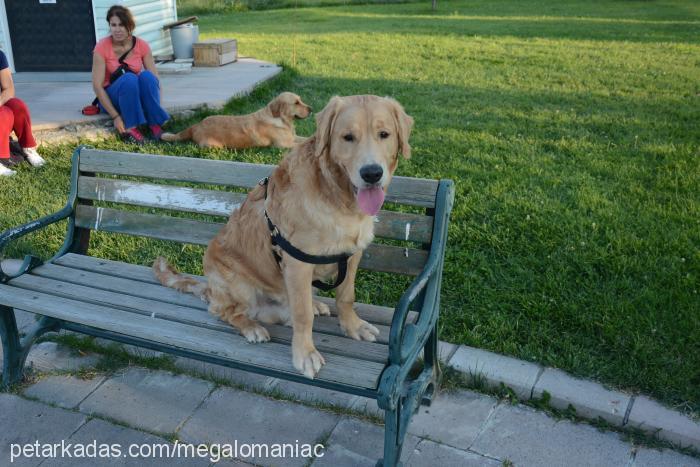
7 119
150 100
22 127
126 98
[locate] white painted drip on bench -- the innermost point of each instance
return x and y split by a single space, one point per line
175 197
98 218
408 232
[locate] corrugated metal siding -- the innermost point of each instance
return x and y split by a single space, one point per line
150 16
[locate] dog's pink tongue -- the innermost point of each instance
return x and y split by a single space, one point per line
370 200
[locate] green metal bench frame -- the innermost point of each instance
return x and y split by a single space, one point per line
399 392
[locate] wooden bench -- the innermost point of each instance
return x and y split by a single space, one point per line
119 192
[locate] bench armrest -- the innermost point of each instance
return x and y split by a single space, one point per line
406 340
30 261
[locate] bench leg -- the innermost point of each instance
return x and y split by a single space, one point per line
15 351
393 438
11 349
432 361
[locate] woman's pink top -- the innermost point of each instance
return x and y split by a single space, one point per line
134 59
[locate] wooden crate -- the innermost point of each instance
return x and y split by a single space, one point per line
215 52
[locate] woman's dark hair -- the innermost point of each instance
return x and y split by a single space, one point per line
124 16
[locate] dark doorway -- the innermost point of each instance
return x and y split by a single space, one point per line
51 35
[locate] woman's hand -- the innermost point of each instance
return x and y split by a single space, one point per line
119 124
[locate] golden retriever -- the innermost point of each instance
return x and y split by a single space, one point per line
273 125
322 198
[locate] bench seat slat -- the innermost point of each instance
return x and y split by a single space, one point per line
193 316
229 346
390 224
372 313
128 287
384 258
403 190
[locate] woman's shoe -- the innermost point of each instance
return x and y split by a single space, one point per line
33 157
156 132
133 135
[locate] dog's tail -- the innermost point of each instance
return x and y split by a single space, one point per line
169 277
184 135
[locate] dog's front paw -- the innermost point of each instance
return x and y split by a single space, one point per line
256 333
321 309
307 360
359 329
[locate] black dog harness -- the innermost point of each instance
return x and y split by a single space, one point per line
278 240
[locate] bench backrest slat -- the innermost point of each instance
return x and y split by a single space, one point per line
220 203
384 258
403 190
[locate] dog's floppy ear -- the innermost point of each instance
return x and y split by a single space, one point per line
276 107
324 124
404 124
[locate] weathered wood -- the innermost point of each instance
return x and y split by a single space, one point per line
383 258
133 288
332 343
390 224
212 202
402 190
372 313
271 355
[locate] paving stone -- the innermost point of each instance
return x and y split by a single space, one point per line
26 422
446 350
429 453
496 369
312 394
357 443
367 406
231 416
99 443
134 350
245 379
453 418
667 424
527 437
666 458
63 390
50 356
151 400
590 399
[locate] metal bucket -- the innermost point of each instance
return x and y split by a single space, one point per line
182 37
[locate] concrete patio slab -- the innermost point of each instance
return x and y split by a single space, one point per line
55 99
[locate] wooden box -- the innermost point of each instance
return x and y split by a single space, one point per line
215 52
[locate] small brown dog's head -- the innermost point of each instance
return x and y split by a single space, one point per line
288 106
364 135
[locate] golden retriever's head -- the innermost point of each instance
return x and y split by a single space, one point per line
364 135
288 106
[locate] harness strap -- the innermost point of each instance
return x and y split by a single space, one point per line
278 240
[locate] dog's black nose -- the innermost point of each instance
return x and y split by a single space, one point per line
371 173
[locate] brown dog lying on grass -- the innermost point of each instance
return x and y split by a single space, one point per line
322 198
273 125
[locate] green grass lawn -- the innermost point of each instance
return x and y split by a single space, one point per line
572 133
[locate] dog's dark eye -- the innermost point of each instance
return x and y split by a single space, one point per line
349 137
383 134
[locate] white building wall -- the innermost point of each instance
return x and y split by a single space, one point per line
5 44
150 16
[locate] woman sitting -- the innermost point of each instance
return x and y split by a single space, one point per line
133 98
14 116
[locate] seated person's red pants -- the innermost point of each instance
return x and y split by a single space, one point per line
14 115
